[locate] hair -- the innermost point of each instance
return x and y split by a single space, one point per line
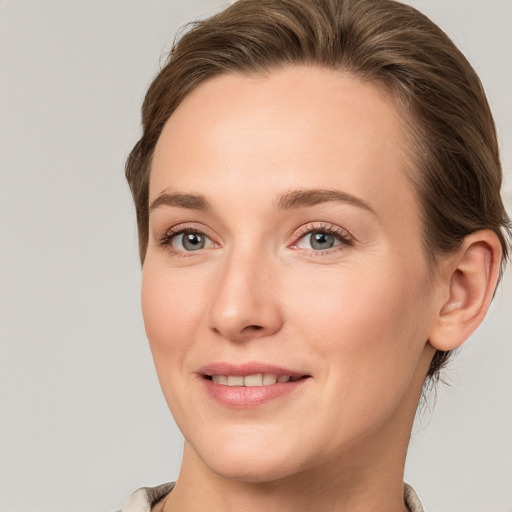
453 142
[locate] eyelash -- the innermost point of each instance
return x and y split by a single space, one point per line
166 240
341 235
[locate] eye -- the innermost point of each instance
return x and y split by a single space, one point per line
189 241
184 239
318 240
322 238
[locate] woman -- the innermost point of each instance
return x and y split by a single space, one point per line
317 194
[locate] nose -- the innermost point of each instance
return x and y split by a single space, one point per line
245 304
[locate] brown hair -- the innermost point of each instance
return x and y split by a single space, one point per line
453 137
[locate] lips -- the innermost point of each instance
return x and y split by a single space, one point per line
249 385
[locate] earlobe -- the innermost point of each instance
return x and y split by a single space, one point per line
468 288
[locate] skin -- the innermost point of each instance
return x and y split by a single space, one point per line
356 318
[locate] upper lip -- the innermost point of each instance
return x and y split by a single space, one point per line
249 368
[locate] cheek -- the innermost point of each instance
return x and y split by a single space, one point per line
369 326
357 304
367 332
172 311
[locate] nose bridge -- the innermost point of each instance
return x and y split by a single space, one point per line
244 303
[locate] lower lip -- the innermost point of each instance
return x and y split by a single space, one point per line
244 397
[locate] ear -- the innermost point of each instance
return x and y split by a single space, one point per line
468 280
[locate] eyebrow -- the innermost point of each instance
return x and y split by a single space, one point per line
189 201
304 198
288 201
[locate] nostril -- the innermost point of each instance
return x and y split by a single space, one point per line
254 327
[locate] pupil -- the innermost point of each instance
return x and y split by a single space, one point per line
193 241
322 241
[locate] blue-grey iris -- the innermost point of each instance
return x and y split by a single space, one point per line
193 241
321 241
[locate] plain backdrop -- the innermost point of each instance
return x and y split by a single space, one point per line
83 423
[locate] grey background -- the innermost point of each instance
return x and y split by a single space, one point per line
83 422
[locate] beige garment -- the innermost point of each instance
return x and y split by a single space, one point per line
143 499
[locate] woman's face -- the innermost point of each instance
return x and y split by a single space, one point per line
285 241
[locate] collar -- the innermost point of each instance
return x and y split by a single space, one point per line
143 499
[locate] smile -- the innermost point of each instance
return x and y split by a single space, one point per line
251 384
258 379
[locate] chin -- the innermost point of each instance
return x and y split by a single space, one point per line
253 471
248 461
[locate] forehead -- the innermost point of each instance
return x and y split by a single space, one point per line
298 127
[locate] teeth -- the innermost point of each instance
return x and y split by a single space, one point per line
220 379
235 380
253 380
258 379
269 378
